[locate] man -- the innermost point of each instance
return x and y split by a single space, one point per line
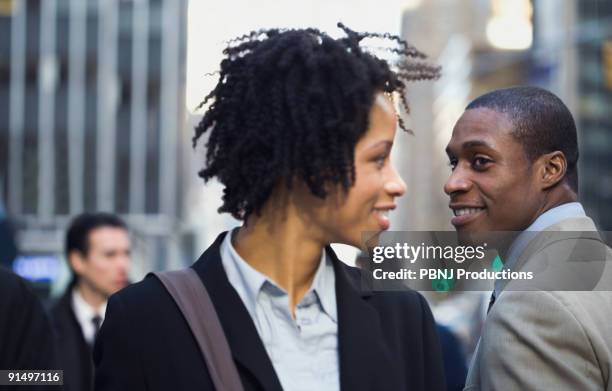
514 155
26 340
8 250
98 254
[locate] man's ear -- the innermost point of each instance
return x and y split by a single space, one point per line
553 167
76 261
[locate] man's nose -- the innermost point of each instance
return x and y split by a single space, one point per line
457 182
124 263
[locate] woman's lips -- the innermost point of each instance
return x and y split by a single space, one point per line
383 219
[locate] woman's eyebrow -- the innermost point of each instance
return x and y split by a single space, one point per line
387 143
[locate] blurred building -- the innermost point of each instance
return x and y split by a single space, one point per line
92 118
595 91
571 57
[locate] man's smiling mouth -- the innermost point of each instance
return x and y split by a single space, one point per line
466 211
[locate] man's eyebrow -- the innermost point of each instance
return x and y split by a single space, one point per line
470 144
475 143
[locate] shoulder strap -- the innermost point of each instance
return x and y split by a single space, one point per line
193 300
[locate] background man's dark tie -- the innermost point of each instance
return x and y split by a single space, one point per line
97 322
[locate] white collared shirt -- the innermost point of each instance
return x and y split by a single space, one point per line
304 349
85 313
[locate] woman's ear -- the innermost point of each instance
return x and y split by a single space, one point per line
553 169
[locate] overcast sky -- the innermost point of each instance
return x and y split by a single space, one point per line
211 23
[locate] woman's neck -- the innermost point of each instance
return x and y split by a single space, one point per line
280 246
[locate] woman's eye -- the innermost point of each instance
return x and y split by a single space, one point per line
380 161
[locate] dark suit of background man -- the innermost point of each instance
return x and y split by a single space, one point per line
98 253
514 156
8 250
26 340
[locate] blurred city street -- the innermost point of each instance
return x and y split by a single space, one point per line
98 101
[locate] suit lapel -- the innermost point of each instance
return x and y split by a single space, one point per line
246 346
365 361
473 376
76 355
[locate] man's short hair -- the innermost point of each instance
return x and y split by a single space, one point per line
542 123
77 238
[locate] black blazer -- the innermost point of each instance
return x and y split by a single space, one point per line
386 340
74 354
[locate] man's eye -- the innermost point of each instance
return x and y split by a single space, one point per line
480 163
452 163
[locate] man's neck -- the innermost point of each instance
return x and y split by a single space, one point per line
560 195
91 296
552 201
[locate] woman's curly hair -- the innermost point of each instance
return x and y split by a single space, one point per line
291 105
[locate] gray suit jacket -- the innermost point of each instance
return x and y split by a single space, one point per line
536 338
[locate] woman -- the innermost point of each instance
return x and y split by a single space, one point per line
300 130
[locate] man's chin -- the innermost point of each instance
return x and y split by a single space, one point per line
467 235
117 287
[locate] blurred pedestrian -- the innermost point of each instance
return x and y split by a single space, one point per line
455 365
8 250
98 253
26 338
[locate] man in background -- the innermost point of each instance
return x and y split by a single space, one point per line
98 254
514 156
8 250
26 338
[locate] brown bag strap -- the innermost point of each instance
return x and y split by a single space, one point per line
193 300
